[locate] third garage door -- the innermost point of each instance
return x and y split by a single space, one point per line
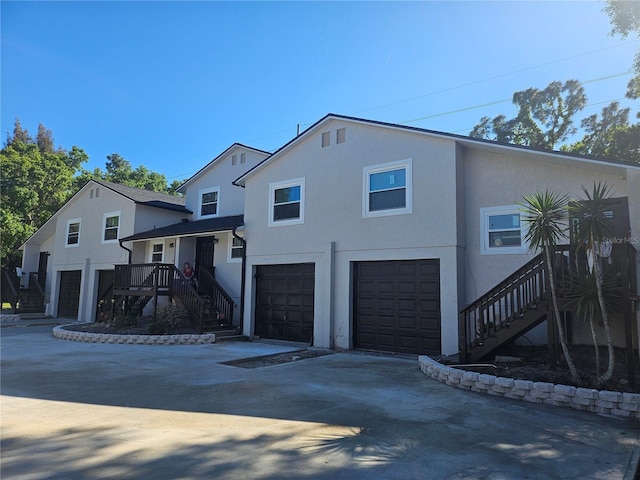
284 301
397 306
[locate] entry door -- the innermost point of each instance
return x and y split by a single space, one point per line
284 301
204 252
42 269
69 298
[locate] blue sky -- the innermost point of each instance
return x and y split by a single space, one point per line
171 85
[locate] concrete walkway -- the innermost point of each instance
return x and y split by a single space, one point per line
87 411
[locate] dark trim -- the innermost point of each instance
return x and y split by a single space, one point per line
454 136
186 228
243 276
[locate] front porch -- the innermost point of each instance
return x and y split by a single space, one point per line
137 287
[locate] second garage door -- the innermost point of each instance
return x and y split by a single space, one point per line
397 306
284 301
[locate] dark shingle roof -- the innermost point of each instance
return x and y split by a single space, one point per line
147 197
218 224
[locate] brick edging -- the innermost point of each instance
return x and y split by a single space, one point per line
624 405
183 339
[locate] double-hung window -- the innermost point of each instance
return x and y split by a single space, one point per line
73 233
502 230
236 249
387 189
286 202
157 252
111 227
209 202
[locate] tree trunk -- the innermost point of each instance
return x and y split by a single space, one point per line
595 344
605 316
556 312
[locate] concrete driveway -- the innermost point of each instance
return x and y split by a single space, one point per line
88 411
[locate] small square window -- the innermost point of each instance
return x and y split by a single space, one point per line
111 227
387 189
209 202
340 133
286 202
326 139
73 233
502 230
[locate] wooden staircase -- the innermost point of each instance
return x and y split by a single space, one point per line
210 307
510 309
22 300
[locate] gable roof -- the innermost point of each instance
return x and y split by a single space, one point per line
466 141
184 228
136 195
181 188
146 197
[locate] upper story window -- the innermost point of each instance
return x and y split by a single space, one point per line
387 189
157 253
73 233
236 249
502 230
286 202
111 227
209 202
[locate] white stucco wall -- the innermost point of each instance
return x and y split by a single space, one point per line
221 174
333 215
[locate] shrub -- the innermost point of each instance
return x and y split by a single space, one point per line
174 315
159 327
125 321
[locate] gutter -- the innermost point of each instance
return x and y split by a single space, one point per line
128 250
243 278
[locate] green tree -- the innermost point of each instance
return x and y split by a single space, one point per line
119 170
593 228
544 117
546 216
625 19
34 185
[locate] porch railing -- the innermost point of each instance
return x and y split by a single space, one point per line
35 287
9 290
219 297
159 279
496 309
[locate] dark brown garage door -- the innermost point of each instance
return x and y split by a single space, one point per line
397 306
284 303
69 297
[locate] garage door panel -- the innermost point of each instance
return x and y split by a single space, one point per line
397 306
285 301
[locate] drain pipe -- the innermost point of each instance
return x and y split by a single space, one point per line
243 277
128 250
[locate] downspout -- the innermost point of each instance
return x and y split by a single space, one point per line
128 250
243 277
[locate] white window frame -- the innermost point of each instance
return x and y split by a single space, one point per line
295 182
152 253
485 247
407 164
231 248
203 192
70 222
104 226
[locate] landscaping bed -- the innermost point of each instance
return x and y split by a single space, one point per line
533 365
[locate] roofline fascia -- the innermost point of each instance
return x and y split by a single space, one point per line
443 135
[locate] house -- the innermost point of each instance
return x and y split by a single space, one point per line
363 234
210 239
355 234
72 256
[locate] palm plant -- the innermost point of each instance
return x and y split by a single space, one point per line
592 229
586 304
545 216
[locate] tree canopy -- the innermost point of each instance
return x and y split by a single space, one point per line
38 178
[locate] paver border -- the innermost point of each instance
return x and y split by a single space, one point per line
62 333
603 402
